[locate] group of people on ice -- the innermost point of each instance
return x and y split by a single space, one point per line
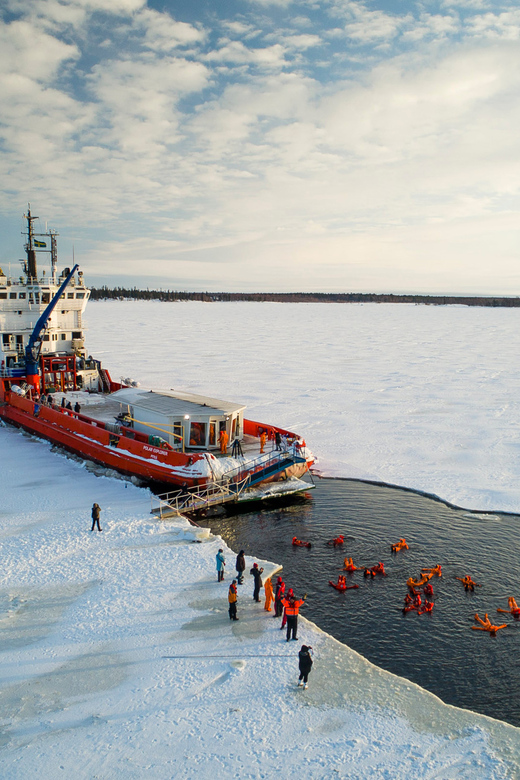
286 604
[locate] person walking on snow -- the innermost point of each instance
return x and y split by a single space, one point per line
268 587
221 562
96 511
257 574
305 665
232 599
240 566
292 607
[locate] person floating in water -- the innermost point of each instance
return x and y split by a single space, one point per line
371 571
348 565
436 570
468 583
298 543
337 542
400 545
486 625
514 609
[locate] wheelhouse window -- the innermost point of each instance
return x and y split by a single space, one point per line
198 434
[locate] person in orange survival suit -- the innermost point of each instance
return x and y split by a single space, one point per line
514 609
485 625
292 608
268 588
263 440
223 441
348 565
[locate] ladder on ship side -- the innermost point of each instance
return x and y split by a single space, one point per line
230 486
197 499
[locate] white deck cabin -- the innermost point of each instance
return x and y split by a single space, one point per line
184 420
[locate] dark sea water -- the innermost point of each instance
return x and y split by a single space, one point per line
439 651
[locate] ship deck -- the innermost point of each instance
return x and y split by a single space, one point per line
106 409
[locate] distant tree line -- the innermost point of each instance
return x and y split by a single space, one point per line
125 293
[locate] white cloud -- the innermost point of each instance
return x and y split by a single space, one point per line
237 53
26 50
162 33
492 26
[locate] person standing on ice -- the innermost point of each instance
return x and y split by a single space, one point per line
221 562
257 574
268 587
96 511
240 566
292 607
232 599
305 665
278 596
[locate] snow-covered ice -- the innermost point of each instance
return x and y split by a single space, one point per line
118 658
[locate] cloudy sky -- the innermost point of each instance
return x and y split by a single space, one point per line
261 145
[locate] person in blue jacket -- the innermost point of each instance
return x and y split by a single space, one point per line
221 562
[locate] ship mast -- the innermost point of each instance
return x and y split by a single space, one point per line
30 270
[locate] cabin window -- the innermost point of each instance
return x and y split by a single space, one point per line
6 338
12 296
177 430
77 334
21 295
46 337
198 434
46 297
212 434
80 295
3 296
63 336
70 295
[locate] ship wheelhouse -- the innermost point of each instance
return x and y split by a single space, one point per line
184 420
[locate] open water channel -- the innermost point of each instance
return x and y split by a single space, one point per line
438 651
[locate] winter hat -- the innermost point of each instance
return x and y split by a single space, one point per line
291 592
255 566
220 549
279 579
304 648
241 552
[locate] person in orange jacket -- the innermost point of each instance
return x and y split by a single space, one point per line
232 599
223 441
263 440
268 588
292 608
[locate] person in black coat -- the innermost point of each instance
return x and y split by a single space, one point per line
257 574
240 567
305 664
96 511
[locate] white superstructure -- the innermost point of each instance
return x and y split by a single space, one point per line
24 298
